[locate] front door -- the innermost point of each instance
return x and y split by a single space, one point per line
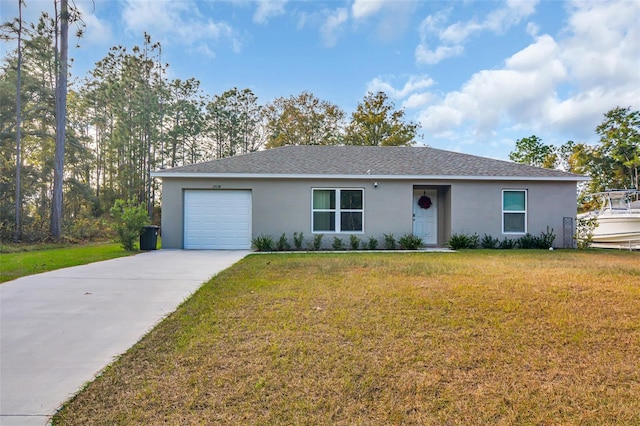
425 216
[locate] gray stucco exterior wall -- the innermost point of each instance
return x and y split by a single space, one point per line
281 205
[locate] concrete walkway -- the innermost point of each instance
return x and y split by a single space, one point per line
59 329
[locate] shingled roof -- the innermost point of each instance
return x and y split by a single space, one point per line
364 161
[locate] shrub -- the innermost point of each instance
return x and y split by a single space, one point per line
130 218
373 243
337 244
389 242
527 241
88 228
546 239
298 239
507 244
354 242
283 244
584 231
488 242
463 241
410 242
263 243
317 241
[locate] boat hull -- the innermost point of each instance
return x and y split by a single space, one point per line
617 231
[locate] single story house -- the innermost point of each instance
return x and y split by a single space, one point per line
365 191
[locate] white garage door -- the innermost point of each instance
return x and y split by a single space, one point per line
217 220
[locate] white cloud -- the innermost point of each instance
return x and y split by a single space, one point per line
364 8
178 22
426 56
450 40
332 26
418 100
268 9
562 85
413 84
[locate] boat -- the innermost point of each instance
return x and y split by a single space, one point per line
618 220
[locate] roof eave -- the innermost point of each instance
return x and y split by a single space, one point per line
185 175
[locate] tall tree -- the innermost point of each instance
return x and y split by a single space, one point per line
61 119
620 142
376 122
303 120
533 152
234 122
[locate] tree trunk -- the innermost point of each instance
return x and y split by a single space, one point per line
61 119
18 230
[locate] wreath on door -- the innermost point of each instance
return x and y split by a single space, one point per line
424 202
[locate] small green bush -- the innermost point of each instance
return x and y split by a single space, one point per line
546 239
373 243
527 241
283 244
129 219
298 239
488 242
263 243
584 232
337 244
507 244
410 242
463 241
317 241
354 242
389 242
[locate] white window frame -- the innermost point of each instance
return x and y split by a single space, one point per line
526 204
337 211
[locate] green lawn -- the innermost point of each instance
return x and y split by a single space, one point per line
48 258
476 337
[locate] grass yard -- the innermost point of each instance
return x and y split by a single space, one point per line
20 263
477 337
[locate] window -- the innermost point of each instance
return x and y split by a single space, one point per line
514 211
337 210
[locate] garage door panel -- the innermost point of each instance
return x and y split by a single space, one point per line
217 219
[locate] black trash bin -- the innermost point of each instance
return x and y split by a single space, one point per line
149 237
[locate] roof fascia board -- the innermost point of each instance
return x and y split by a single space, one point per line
361 177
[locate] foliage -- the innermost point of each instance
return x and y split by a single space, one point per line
390 242
410 242
302 120
463 241
298 240
88 229
488 242
584 231
544 241
263 243
372 244
533 152
507 244
354 242
317 241
337 244
375 122
129 219
283 244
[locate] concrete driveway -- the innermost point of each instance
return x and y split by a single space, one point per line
59 329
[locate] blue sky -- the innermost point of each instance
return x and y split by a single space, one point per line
477 75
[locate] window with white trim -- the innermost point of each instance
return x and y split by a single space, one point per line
337 210
514 211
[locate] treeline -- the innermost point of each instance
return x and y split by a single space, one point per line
612 163
126 119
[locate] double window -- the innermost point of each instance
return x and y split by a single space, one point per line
514 211
337 210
